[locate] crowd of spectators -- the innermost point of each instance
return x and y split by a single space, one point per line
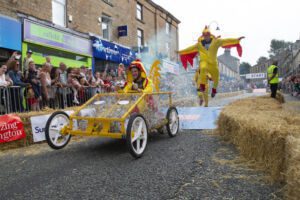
291 85
32 88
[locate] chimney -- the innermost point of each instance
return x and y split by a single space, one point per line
227 52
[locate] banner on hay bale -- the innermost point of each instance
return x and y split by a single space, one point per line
11 128
38 124
198 118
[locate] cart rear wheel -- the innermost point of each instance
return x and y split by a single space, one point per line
54 125
137 135
173 122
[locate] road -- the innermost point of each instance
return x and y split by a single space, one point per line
193 165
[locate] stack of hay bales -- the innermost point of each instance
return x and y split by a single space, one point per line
266 133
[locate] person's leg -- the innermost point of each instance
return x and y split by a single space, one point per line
214 72
273 88
205 96
200 95
203 75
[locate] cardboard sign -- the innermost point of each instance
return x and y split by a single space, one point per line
11 128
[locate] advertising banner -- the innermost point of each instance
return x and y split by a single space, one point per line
11 128
105 50
198 118
255 75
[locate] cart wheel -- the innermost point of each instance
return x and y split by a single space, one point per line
54 125
137 135
173 122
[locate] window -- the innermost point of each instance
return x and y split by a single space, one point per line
106 22
168 28
139 11
140 37
59 12
168 49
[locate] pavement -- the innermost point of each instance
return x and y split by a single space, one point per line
193 165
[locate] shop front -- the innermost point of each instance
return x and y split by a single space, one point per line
108 55
10 37
59 45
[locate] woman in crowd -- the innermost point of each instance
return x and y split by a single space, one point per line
47 91
5 80
17 93
34 93
73 80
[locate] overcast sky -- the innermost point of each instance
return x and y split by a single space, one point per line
258 20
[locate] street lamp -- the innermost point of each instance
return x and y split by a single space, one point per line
214 22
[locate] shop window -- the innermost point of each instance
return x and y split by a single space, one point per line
45 51
168 28
139 11
59 12
105 25
140 37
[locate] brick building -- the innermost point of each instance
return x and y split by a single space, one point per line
146 23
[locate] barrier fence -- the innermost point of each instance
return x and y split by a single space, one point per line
17 99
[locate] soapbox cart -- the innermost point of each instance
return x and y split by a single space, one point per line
130 116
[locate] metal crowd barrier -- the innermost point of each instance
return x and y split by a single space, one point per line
15 99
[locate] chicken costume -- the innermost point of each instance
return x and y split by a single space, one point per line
207 52
147 83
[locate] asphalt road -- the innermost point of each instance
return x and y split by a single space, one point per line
193 165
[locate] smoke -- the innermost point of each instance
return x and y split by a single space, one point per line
161 47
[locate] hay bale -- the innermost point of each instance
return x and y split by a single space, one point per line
293 167
259 128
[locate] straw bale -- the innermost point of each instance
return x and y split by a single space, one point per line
259 126
268 134
293 167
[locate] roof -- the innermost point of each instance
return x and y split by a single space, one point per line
164 10
229 60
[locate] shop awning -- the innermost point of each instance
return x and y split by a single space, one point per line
10 33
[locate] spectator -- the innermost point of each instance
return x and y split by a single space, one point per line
5 81
99 83
27 59
47 91
17 93
48 60
34 94
83 71
64 93
73 80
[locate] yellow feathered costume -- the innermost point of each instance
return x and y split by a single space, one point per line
208 57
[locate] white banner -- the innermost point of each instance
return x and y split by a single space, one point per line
255 75
38 124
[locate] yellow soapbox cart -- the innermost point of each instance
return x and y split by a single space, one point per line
129 116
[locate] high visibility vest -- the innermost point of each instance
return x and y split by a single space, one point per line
270 74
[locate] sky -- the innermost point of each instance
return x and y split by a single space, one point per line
259 21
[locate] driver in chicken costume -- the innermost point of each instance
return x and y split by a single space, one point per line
207 48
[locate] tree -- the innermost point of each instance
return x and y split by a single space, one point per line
245 68
261 60
276 45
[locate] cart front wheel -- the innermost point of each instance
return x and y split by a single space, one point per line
137 135
54 125
173 122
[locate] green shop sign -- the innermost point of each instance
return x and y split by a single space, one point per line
38 33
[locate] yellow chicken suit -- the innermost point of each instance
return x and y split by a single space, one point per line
208 57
